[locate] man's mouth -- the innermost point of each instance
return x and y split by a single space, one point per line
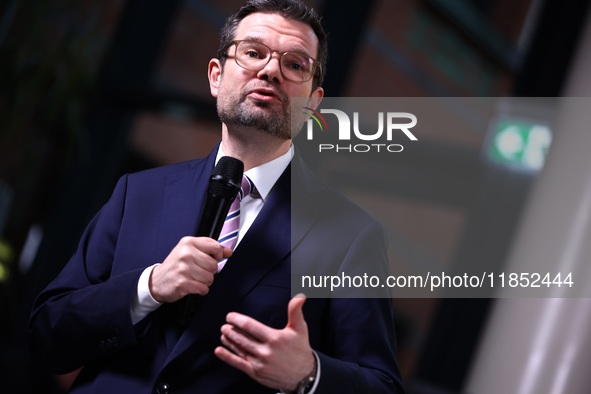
264 94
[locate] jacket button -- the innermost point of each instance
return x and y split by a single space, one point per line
162 388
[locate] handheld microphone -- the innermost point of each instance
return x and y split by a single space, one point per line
224 184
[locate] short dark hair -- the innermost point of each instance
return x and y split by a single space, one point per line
289 9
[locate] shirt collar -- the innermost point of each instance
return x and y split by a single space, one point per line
265 175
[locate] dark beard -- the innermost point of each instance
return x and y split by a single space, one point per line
276 123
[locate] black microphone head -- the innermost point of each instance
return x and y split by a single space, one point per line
226 177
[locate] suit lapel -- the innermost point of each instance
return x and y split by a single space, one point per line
183 200
304 200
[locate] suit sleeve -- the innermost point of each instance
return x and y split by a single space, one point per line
359 355
84 314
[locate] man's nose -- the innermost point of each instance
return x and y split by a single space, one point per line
272 70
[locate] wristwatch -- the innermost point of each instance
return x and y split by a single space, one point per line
306 384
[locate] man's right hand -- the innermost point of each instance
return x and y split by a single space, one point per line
188 269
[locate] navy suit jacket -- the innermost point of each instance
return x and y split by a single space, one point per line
82 319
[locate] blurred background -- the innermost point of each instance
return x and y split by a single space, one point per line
90 90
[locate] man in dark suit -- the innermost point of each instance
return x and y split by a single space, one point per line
113 310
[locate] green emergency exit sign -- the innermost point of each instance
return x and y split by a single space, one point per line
520 144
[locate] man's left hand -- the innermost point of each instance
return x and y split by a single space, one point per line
275 358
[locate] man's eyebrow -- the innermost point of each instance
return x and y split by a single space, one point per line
252 38
298 49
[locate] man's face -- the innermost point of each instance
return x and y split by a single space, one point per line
261 99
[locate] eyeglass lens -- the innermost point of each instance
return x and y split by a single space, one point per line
254 56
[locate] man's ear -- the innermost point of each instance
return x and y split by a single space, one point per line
214 74
316 97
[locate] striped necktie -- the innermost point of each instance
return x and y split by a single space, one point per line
229 234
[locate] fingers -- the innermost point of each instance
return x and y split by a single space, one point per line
243 351
231 346
196 252
295 315
250 326
234 360
202 247
245 335
277 358
263 333
226 252
189 268
240 342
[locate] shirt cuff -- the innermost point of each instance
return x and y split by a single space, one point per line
317 378
313 390
143 302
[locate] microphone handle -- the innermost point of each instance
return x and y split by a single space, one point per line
213 217
214 214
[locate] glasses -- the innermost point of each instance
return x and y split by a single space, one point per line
254 56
